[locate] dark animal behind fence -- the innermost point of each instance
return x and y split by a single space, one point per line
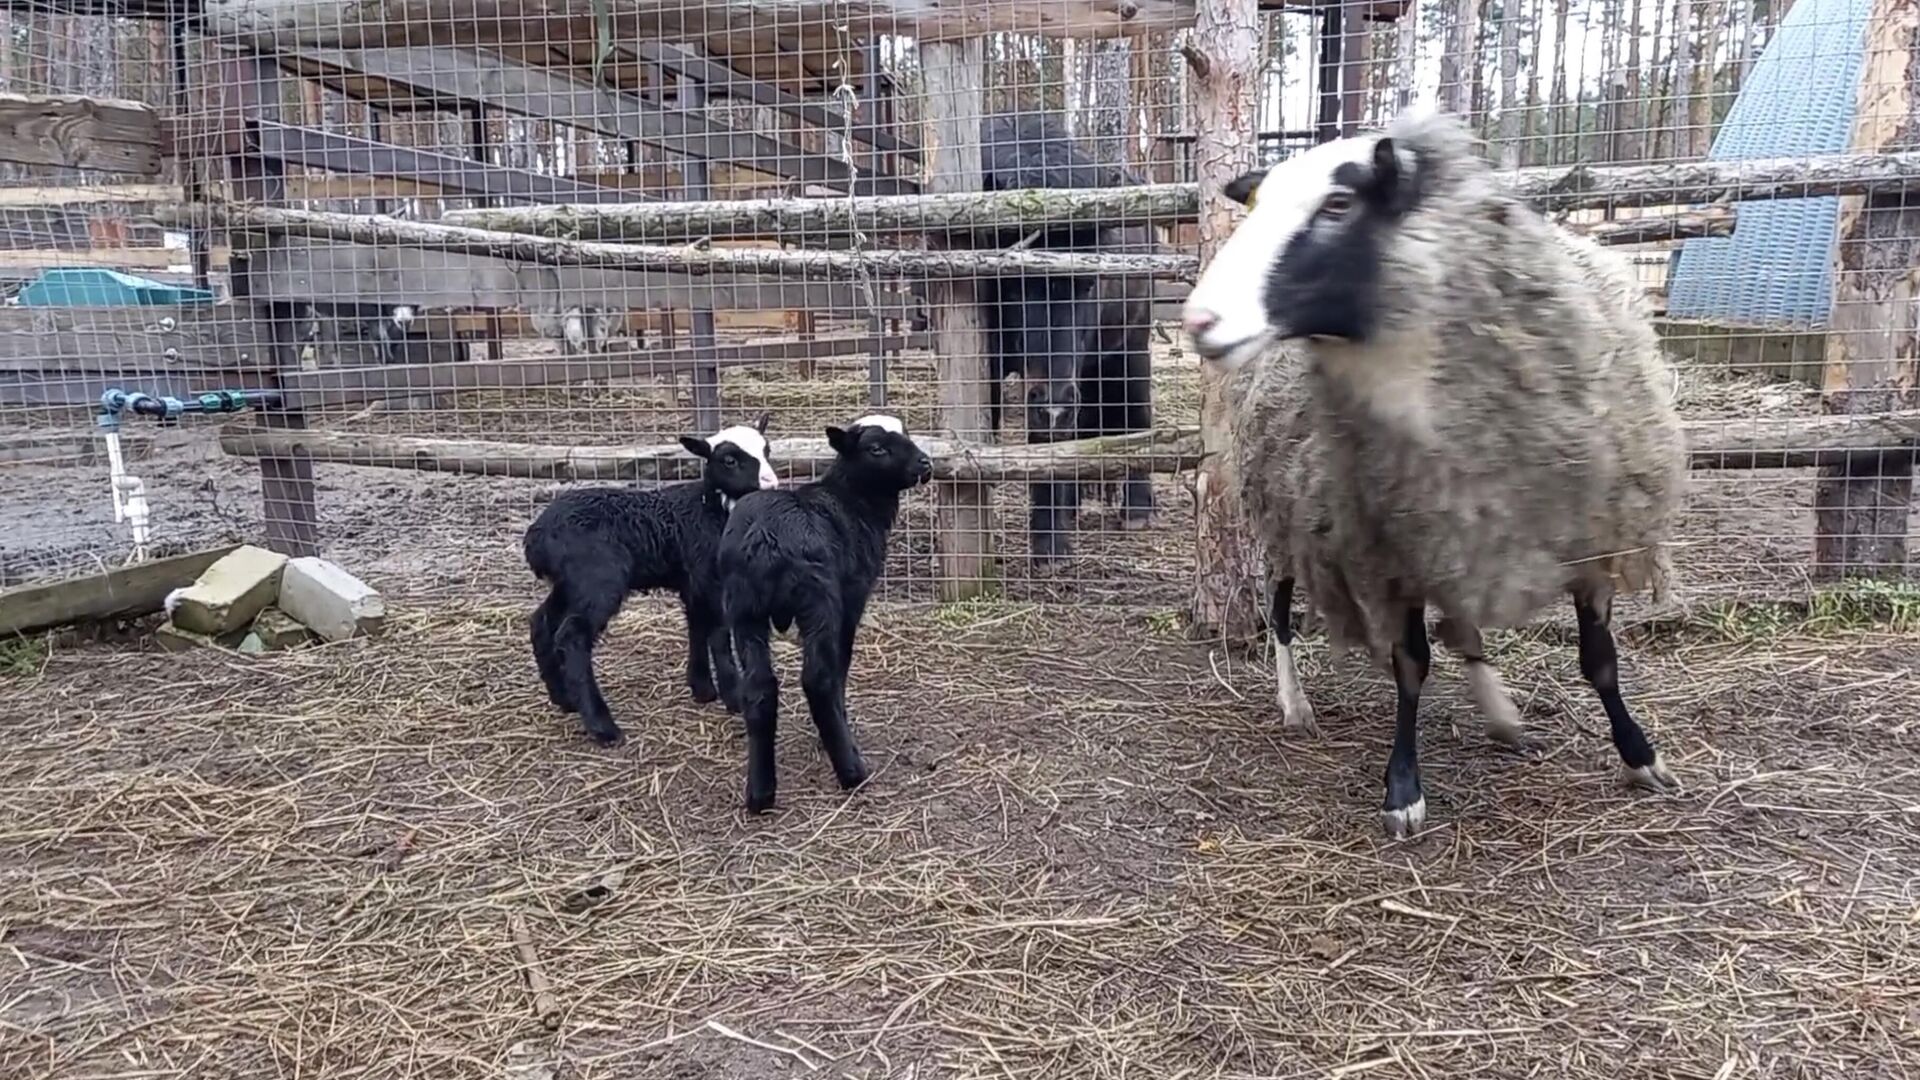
1079 344
810 556
595 545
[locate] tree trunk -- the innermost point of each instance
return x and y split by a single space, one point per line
1633 142
1700 116
1460 63
1534 121
1511 110
1862 513
1225 114
1653 130
1559 103
1406 51
1682 90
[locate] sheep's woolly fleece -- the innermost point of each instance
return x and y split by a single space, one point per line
1508 436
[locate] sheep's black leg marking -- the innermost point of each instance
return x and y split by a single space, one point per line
1050 519
699 671
1600 663
1490 695
849 628
573 639
760 698
726 674
1136 501
550 611
1406 805
1296 712
823 667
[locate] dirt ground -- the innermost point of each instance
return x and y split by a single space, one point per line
1088 851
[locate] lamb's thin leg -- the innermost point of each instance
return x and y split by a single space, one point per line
823 668
550 611
1406 805
1136 501
760 698
573 639
1483 680
1600 663
1296 712
700 627
726 674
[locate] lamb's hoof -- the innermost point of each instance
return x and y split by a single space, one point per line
1296 718
606 734
1656 777
1136 520
732 702
759 802
854 777
1507 731
704 693
1403 823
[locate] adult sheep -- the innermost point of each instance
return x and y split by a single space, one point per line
1079 344
1483 422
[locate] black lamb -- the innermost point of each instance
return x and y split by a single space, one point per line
810 555
596 545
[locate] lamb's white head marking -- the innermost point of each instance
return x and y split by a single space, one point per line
883 422
1229 314
752 443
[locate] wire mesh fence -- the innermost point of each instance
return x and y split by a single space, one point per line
514 253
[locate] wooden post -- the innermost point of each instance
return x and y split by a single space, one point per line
1332 38
1356 65
706 378
477 137
1873 341
953 97
1227 35
288 508
878 112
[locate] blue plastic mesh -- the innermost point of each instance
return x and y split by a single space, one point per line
1776 269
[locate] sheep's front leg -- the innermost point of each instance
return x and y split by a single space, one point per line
760 699
1296 712
1483 681
700 628
1405 809
1600 663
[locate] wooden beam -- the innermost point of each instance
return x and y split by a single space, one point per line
952 101
133 342
79 132
349 386
386 274
90 195
1863 510
125 258
334 152
467 77
737 84
288 25
1222 90
1793 442
139 589
377 230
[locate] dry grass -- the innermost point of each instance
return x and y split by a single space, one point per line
1088 851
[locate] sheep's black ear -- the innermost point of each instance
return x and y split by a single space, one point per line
696 447
1386 163
760 425
1240 189
838 439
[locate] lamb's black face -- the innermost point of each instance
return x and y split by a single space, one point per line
1306 262
737 460
879 453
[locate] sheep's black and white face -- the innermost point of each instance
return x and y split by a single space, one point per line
1306 261
737 461
879 454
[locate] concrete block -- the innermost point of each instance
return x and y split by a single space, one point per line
230 593
174 639
331 602
278 630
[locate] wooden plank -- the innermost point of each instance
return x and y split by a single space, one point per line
334 152
80 132
125 258
737 84
87 195
373 274
342 188
289 25
467 77
347 386
133 340
140 589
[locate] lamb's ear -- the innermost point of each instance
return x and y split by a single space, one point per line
1241 188
1392 182
760 425
839 439
695 446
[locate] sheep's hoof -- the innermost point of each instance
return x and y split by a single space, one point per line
854 777
1507 731
1656 777
1403 823
607 734
759 802
703 692
1135 521
732 702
